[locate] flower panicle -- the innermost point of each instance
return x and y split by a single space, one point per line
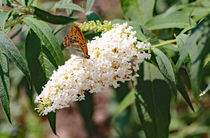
114 58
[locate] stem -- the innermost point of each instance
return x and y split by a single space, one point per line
18 21
13 24
164 43
159 45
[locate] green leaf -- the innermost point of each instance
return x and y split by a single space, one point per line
28 2
40 67
4 84
128 100
92 16
69 6
200 12
55 19
20 2
44 32
63 2
32 50
138 10
197 12
174 20
196 47
89 5
153 101
52 120
58 29
207 60
3 17
122 91
8 47
30 92
165 68
47 62
182 89
200 38
180 41
86 108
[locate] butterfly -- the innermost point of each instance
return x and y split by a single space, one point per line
77 43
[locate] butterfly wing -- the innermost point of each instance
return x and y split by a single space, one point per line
76 40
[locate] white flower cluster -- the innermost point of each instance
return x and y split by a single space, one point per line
143 45
114 58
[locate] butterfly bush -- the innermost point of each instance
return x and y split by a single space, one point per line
114 57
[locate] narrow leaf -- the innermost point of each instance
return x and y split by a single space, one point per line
55 19
45 34
196 47
52 120
174 20
3 17
122 90
86 109
41 68
200 37
89 5
128 100
30 92
69 6
166 68
182 89
58 29
28 2
8 47
92 16
46 61
32 50
138 10
4 84
153 101
180 41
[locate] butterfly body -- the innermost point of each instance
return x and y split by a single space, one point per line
77 43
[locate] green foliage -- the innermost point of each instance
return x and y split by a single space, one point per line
200 38
3 17
40 66
5 84
153 101
165 68
89 5
87 109
52 120
196 48
174 20
55 19
127 101
69 6
92 16
8 47
44 32
138 10
179 34
33 52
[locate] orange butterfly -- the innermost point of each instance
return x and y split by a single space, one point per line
76 40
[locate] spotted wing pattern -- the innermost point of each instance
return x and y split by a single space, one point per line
76 40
